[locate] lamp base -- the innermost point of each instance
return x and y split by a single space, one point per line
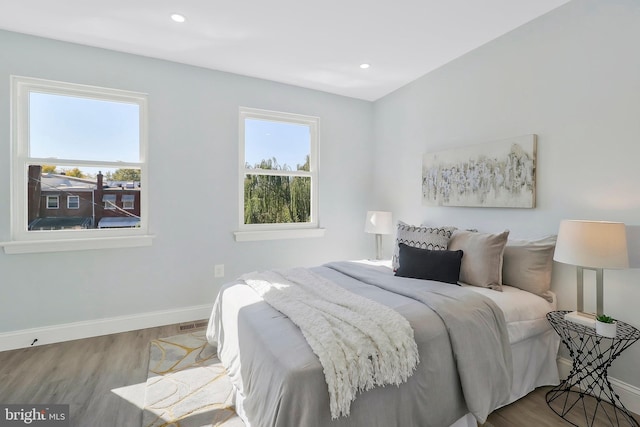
378 246
581 318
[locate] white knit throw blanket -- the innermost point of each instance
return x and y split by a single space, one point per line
359 342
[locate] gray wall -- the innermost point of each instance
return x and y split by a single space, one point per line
573 78
193 140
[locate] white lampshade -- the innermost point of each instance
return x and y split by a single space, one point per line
378 222
592 244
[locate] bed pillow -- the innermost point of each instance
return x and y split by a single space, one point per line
527 265
418 236
442 265
482 261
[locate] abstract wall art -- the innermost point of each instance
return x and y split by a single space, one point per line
494 174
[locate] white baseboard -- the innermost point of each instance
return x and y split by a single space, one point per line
629 394
93 328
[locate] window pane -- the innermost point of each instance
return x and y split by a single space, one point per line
95 198
67 127
276 145
276 199
128 201
109 201
52 202
73 202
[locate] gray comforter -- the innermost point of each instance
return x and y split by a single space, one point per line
465 359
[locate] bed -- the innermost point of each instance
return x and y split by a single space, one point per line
279 381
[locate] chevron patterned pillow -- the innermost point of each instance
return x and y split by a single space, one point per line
420 236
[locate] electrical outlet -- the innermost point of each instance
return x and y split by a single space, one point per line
218 270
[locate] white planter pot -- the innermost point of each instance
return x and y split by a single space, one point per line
606 329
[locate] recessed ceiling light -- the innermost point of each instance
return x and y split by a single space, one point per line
365 66
178 18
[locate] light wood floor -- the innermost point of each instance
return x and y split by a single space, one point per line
102 379
90 375
532 411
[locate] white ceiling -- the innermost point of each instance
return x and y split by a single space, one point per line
316 44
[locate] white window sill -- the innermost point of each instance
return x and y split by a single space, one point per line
38 246
298 233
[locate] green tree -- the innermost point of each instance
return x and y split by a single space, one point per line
48 169
74 172
276 198
124 175
305 166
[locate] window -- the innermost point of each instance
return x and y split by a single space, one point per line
279 171
128 201
109 201
76 141
73 202
53 202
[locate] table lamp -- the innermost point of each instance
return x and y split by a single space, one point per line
378 223
591 245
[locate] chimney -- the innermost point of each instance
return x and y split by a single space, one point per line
34 190
98 206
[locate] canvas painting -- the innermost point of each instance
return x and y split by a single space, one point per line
495 174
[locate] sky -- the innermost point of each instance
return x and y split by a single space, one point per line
74 128
289 143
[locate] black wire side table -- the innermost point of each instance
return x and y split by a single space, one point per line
586 397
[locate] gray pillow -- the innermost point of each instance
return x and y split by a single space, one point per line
482 260
527 265
419 236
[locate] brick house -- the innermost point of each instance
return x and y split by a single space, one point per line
119 204
60 202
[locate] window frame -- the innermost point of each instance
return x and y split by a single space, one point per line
57 200
128 204
279 230
109 202
25 241
77 198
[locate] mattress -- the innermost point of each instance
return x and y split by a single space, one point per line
524 312
264 363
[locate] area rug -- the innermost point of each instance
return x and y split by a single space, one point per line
187 386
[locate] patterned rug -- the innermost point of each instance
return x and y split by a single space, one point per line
187 386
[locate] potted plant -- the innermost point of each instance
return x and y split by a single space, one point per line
605 326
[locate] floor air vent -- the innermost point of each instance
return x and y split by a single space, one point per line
190 326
